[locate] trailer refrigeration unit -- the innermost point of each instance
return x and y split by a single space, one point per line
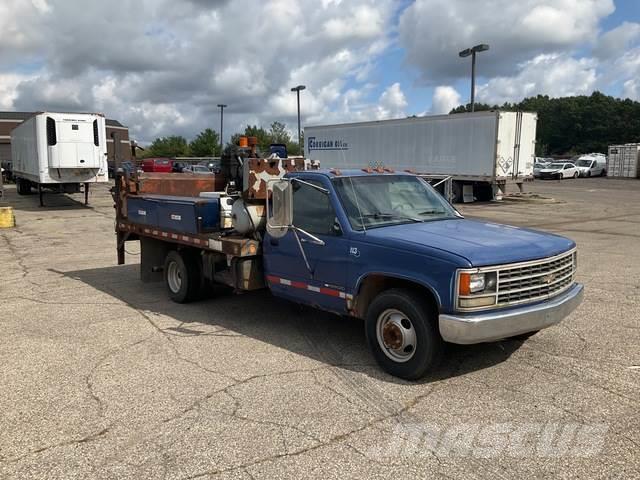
481 152
59 152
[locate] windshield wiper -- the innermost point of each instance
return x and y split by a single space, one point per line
383 215
431 212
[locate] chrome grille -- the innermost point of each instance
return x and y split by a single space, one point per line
535 280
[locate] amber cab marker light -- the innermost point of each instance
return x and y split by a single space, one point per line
464 287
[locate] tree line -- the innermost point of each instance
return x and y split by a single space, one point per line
207 142
577 124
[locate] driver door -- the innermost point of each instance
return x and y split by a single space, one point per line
322 282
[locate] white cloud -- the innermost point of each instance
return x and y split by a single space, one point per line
392 103
614 42
551 74
434 31
632 89
445 98
164 66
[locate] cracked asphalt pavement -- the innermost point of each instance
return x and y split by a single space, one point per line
103 377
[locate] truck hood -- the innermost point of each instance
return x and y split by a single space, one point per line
481 243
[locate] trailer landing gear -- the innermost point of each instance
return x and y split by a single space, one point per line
40 195
86 194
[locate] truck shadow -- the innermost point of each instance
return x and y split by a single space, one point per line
327 338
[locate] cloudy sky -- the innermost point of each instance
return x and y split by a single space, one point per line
162 66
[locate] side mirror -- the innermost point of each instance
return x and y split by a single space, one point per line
279 208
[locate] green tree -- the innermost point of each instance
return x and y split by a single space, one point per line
205 144
279 134
172 146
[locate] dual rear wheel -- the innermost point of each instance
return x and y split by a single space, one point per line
183 276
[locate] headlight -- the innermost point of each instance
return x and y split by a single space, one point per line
477 283
476 289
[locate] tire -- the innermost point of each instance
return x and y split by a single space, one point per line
412 325
575 175
456 192
23 186
604 173
588 173
182 276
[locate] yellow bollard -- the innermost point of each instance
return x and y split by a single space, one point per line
7 219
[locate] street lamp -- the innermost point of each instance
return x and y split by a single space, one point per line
472 51
222 107
297 90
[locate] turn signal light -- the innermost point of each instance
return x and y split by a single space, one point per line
465 284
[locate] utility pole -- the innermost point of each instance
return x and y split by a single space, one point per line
472 51
297 90
222 107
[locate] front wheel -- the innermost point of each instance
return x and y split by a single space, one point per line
402 333
575 175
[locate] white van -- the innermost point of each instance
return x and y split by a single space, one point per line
592 165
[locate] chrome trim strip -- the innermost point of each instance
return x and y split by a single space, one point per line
525 277
524 289
536 299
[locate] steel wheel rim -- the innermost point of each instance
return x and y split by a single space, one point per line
174 277
396 335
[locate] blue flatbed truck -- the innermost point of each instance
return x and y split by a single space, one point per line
373 244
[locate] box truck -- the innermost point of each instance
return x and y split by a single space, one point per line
481 152
59 152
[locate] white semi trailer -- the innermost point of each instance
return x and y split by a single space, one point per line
59 152
481 152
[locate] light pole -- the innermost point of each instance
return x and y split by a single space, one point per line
472 51
222 107
297 90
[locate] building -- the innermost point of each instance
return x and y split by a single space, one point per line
115 131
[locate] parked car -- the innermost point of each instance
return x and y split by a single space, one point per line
539 165
592 165
196 169
559 171
158 165
178 167
211 166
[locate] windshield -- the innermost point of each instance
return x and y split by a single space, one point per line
376 201
584 163
556 165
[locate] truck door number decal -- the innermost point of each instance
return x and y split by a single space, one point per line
354 251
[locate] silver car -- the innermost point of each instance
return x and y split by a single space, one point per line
539 166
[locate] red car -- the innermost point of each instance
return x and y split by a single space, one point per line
158 165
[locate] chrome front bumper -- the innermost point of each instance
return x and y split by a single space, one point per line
497 324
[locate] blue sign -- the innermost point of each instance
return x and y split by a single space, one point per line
332 144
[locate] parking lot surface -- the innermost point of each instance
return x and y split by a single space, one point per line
103 377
